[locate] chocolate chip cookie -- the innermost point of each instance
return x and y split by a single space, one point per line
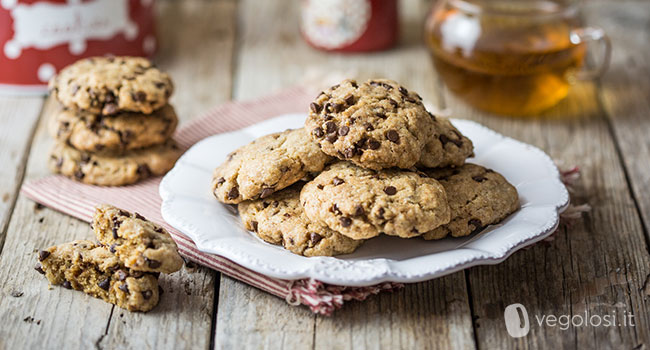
477 196
107 85
280 219
117 133
138 243
362 203
266 165
111 169
446 146
377 124
88 267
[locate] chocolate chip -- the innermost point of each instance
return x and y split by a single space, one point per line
154 264
479 178
318 132
403 91
124 287
349 99
354 84
478 226
159 84
233 193
415 230
390 190
66 285
368 126
332 137
349 152
121 275
139 96
393 103
43 254
39 268
105 284
254 225
345 221
85 158
158 229
140 216
112 247
220 181
79 175
337 181
344 130
330 127
320 186
143 170
267 192
392 136
358 210
335 209
380 213
315 238
115 235
315 107
373 144
147 294
380 115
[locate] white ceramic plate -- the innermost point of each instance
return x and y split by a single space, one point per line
189 206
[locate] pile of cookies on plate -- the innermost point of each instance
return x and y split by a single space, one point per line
370 161
123 268
113 125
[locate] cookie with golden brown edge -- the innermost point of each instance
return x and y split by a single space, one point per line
362 203
109 169
478 197
377 124
107 85
268 164
280 219
117 133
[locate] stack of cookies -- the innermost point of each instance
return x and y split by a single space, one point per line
370 161
121 269
113 126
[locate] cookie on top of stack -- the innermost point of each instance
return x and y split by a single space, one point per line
114 124
121 269
371 160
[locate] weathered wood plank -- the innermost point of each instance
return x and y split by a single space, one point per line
426 315
199 58
18 118
625 89
598 265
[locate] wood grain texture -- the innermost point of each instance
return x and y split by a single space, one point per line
18 117
597 265
200 56
433 314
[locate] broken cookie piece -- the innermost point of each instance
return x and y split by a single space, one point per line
88 267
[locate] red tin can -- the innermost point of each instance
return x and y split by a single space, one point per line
39 37
349 25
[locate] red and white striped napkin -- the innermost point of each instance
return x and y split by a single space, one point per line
79 200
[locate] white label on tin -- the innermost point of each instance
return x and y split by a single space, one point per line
43 25
334 24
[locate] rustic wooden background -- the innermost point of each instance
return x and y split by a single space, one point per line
226 49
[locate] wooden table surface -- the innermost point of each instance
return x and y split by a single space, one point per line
222 50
